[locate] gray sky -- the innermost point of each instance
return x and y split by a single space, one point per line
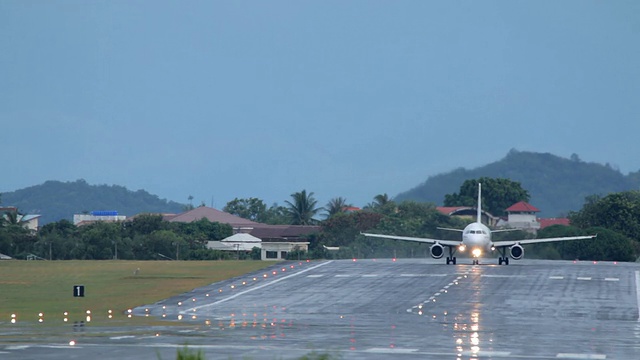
225 99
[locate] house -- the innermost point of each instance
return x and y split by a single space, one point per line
275 241
214 215
28 221
237 242
553 221
522 215
95 216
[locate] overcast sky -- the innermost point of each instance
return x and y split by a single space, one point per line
225 99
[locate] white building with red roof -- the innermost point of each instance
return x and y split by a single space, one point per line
522 215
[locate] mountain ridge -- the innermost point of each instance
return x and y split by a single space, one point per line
557 185
56 200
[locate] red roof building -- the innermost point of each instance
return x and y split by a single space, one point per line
522 207
553 221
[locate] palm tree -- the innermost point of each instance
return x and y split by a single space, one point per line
303 208
12 218
381 200
336 206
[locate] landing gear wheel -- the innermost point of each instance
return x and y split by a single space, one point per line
476 262
451 260
504 260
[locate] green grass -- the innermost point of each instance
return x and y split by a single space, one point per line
28 288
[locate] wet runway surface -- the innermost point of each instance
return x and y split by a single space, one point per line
381 309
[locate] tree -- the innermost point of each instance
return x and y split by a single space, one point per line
497 194
336 206
303 208
382 204
252 209
145 224
380 200
277 215
607 246
619 212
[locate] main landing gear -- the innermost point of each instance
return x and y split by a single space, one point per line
451 259
503 259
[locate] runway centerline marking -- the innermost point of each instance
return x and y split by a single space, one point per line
556 277
611 279
583 278
423 275
580 356
253 289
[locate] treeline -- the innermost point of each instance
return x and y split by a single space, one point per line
615 218
146 237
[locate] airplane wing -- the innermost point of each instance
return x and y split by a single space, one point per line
450 229
416 239
505 243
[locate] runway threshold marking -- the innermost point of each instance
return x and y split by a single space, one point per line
255 288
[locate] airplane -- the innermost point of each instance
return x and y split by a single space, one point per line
477 238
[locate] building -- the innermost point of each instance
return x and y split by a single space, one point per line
522 215
29 221
95 216
469 213
276 241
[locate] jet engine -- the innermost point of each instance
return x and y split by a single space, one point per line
436 251
516 252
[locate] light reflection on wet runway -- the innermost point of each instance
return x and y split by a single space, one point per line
407 308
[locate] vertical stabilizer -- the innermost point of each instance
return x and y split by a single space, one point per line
479 203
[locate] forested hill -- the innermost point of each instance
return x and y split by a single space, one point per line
55 200
556 185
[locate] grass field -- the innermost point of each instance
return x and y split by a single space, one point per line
28 288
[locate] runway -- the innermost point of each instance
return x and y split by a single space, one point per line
381 309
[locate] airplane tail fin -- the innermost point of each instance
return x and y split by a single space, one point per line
479 215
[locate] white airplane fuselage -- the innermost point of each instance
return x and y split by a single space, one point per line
476 240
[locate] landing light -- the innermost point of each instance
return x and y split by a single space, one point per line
476 252
462 248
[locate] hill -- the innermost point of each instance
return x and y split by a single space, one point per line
55 200
557 185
